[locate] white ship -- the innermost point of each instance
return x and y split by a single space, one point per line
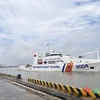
52 61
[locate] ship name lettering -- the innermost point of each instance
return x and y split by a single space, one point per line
46 66
82 66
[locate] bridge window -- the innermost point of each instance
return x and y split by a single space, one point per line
40 61
45 62
56 55
60 61
51 62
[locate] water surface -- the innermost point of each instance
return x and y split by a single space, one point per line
77 79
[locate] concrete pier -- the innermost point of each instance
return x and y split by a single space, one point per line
40 92
13 91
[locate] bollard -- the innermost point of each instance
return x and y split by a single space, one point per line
19 76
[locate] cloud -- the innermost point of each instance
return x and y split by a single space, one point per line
26 26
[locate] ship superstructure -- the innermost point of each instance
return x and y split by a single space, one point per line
52 61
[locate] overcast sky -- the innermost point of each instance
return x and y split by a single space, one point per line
26 26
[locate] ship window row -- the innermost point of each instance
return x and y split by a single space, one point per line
51 62
48 62
45 62
47 54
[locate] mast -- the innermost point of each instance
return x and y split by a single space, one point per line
98 53
49 49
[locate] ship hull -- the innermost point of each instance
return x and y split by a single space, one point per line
65 67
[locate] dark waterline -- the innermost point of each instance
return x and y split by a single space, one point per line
77 79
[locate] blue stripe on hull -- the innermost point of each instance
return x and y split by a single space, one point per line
63 67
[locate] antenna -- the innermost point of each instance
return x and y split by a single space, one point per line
60 51
98 53
48 47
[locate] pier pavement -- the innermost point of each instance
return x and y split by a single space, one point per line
11 91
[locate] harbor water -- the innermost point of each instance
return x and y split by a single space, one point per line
77 79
